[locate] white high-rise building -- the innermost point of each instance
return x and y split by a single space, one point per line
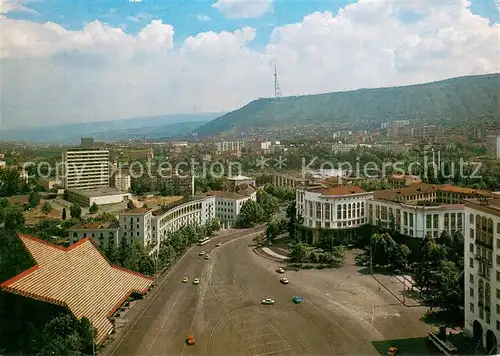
493 146
85 169
482 272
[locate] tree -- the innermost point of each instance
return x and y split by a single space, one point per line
269 204
13 218
340 253
63 216
33 199
381 246
399 257
299 252
251 214
130 204
10 183
272 230
46 208
93 208
75 211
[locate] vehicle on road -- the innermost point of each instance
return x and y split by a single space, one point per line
190 340
268 301
201 253
203 240
196 281
280 270
218 244
393 350
284 280
297 300
206 257
185 280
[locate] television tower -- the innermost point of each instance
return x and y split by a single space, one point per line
277 90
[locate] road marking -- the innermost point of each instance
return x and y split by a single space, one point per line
163 324
267 343
274 352
253 337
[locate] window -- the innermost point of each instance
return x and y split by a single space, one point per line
498 308
498 325
471 262
471 248
471 219
498 293
339 212
75 234
498 259
471 278
428 219
471 307
471 233
498 228
471 292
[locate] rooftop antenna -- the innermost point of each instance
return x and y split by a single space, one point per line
277 90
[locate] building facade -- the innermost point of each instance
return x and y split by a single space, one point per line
333 208
85 169
123 181
136 226
482 272
104 234
493 146
193 212
228 204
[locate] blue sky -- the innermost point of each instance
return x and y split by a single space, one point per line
190 17
92 73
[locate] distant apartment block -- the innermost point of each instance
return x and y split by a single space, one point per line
85 169
123 181
229 146
493 146
87 142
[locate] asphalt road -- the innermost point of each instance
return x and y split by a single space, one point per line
225 314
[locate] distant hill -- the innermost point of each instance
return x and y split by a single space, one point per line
123 129
459 98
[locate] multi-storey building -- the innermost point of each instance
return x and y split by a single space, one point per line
229 146
417 219
123 181
289 180
186 212
403 180
333 208
228 204
85 169
493 146
136 226
104 234
482 271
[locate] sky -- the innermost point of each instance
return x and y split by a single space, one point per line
68 61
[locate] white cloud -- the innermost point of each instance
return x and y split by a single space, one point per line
234 9
203 17
53 75
7 6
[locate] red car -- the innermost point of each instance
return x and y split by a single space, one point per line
190 340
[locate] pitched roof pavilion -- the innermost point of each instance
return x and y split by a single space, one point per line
79 278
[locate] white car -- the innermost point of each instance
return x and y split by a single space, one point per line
196 281
207 257
284 280
280 270
218 244
268 301
201 253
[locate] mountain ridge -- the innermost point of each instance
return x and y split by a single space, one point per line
461 97
66 133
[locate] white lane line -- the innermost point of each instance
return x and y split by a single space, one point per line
267 343
274 352
259 328
163 324
254 337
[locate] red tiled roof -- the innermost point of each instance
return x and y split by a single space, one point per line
95 226
79 278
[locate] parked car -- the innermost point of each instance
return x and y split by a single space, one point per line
196 281
280 270
284 280
201 253
185 280
297 300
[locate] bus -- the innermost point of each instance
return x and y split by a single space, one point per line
203 241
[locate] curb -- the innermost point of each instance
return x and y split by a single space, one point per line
266 256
